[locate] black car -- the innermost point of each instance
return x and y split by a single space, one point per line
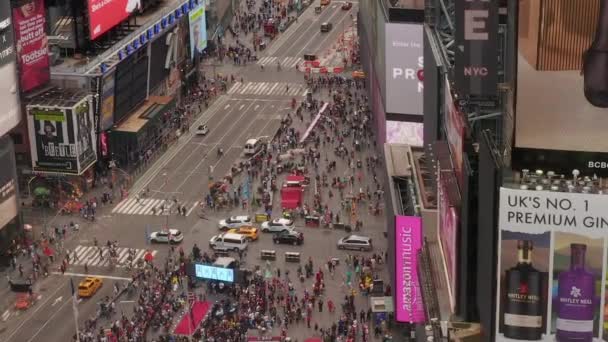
326 27
291 237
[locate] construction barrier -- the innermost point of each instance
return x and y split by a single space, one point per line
268 254
292 256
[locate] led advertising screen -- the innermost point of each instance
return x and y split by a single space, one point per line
448 233
404 132
107 101
454 131
85 138
198 30
8 182
9 89
105 14
552 266
560 113
214 273
32 44
404 68
408 242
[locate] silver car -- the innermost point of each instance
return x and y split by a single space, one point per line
355 242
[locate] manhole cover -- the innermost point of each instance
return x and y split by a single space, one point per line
3 329
43 289
195 230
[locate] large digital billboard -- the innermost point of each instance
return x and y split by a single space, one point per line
8 182
476 58
198 30
9 88
214 273
552 266
408 296
447 232
105 14
62 140
32 44
404 132
560 112
404 68
454 126
107 101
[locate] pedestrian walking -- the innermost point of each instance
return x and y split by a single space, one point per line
320 305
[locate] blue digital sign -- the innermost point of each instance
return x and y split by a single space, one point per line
214 273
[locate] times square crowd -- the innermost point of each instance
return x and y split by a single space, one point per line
268 300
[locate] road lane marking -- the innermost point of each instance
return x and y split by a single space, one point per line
194 206
40 306
84 275
57 300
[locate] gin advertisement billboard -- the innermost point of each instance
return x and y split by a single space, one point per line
552 266
408 242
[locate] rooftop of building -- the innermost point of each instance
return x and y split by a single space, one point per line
55 97
79 64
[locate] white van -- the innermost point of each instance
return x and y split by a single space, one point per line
252 146
228 242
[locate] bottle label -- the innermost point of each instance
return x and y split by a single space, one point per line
574 325
523 321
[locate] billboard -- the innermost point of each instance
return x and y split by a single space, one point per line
214 273
476 58
85 136
408 242
198 30
454 131
561 127
404 132
9 89
62 140
447 233
107 101
552 266
404 68
8 183
105 14
32 44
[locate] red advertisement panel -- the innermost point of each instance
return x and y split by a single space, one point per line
448 233
105 14
32 44
454 129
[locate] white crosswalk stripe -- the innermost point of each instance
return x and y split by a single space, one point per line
90 256
256 88
286 62
151 206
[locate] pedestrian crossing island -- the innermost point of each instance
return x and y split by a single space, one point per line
152 206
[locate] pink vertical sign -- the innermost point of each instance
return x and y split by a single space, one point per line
408 242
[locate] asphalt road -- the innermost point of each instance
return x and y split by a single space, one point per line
252 108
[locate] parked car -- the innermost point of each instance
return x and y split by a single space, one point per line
325 2
282 26
355 242
89 286
251 233
202 130
290 237
347 5
277 225
234 222
326 27
167 236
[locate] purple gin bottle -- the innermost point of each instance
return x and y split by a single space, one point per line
575 298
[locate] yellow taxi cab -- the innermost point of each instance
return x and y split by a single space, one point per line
358 74
325 2
251 233
89 286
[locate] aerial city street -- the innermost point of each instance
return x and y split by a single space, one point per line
303 170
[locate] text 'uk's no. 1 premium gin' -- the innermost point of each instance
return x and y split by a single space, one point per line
575 298
523 303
